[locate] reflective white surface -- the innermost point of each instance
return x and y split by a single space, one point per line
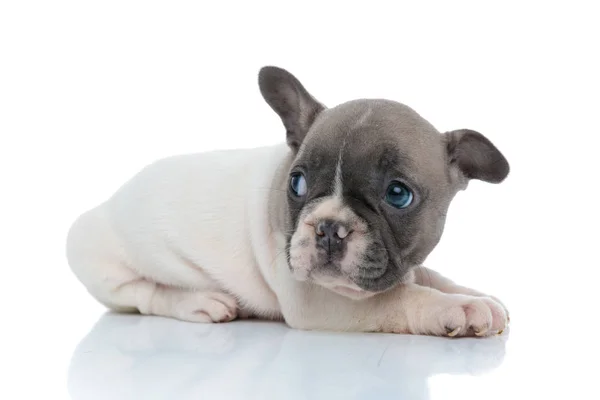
71 355
133 357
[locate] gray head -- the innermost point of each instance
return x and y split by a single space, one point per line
369 186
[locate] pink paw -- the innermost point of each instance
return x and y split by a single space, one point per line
474 316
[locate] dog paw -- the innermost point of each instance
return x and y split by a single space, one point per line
467 316
503 306
206 307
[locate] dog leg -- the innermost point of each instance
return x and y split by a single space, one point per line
156 299
427 277
98 260
408 308
125 291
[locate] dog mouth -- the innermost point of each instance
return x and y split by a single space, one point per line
342 286
349 291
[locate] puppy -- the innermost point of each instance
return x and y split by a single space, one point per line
327 232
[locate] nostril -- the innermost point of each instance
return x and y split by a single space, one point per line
332 230
323 228
319 230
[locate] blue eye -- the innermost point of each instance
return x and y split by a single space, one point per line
398 195
298 184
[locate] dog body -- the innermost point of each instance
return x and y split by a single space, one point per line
327 232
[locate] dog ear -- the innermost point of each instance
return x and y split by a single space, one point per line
291 101
475 156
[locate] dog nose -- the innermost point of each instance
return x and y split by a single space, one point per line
331 235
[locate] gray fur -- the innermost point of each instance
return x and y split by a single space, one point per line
290 100
378 141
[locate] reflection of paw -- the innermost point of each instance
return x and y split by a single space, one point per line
462 315
209 339
206 307
475 356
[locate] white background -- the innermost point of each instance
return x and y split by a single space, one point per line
90 92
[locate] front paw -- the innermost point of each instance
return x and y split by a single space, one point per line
464 315
206 307
503 306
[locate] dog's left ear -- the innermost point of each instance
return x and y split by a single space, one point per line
291 101
475 156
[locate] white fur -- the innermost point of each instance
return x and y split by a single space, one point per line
190 237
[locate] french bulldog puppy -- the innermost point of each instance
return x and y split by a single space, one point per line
327 232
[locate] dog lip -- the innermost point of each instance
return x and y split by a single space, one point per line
347 289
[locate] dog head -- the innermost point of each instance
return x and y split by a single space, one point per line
369 186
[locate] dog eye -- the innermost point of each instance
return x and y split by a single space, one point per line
398 195
298 184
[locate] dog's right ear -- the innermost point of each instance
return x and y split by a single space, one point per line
291 101
475 156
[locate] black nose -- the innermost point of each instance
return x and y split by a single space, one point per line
331 235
